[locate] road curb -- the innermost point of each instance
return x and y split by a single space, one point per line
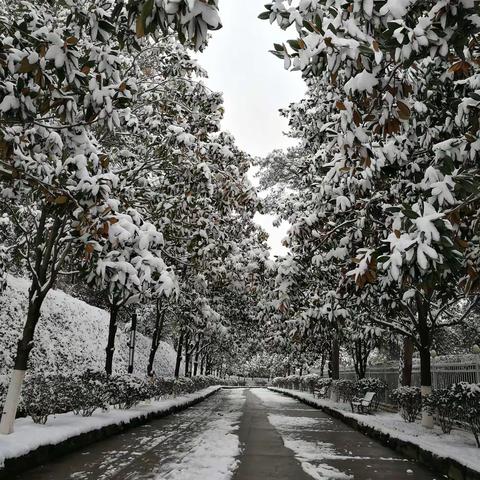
45 453
449 467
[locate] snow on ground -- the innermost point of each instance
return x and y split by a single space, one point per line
71 335
213 454
458 445
28 436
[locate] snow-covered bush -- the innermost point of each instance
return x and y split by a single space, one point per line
44 395
160 387
466 404
183 385
365 385
279 382
50 394
71 336
344 389
127 390
293 382
409 401
88 391
441 403
324 382
309 382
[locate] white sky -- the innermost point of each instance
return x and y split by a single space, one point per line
254 85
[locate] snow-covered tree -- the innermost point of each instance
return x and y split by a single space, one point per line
393 129
63 86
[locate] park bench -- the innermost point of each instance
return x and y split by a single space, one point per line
364 405
321 392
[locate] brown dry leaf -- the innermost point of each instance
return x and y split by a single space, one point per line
61 200
139 27
71 40
26 66
357 118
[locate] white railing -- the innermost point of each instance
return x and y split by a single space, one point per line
444 373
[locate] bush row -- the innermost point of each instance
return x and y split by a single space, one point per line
345 390
458 403
44 395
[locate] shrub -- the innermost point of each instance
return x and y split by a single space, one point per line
127 390
409 400
466 403
160 387
324 382
279 382
183 385
344 389
41 397
310 382
365 385
293 382
442 404
94 391
45 395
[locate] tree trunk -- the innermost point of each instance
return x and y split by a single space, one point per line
425 360
131 343
179 354
207 365
407 362
187 354
195 361
112 332
202 365
24 347
322 364
360 358
335 362
157 335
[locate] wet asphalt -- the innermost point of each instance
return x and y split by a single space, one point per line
279 439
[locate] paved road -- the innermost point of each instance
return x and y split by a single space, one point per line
236 435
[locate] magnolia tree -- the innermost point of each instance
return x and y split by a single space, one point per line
129 268
63 84
395 88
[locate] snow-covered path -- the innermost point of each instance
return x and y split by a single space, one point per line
199 443
237 434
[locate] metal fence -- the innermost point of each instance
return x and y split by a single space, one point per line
443 373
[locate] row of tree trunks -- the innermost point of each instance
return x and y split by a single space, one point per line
193 354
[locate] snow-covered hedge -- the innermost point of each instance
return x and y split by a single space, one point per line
365 385
47 394
292 382
344 389
310 382
71 336
458 403
409 401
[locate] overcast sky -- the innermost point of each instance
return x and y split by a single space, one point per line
254 84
